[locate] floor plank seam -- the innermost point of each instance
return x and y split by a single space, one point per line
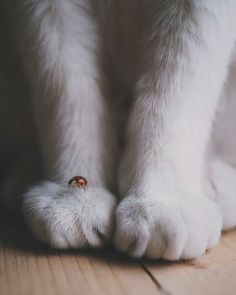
154 280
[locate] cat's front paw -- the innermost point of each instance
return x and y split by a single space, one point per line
166 228
65 217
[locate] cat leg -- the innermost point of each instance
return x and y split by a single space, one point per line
165 212
61 53
222 153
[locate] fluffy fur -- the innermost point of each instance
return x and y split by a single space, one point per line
166 62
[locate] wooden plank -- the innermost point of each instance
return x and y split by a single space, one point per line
27 268
212 274
129 278
69 274
4 281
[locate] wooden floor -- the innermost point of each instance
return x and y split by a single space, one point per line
28 268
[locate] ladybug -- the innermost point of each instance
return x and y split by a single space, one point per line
78 181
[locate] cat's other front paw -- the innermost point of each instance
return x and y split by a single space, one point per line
65 217
167 228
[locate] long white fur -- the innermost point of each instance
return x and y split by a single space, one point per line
168 134
60 46
174 59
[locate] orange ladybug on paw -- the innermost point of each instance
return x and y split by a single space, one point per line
78 181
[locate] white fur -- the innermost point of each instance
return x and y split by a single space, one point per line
164 162
60 46
169 227
222 152
67 217
223 180
172 58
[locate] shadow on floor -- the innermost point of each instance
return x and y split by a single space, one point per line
15 236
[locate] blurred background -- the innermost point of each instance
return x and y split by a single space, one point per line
18 147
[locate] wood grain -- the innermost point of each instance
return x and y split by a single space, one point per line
29 268
212 274
26 267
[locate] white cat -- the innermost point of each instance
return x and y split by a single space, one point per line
86 61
